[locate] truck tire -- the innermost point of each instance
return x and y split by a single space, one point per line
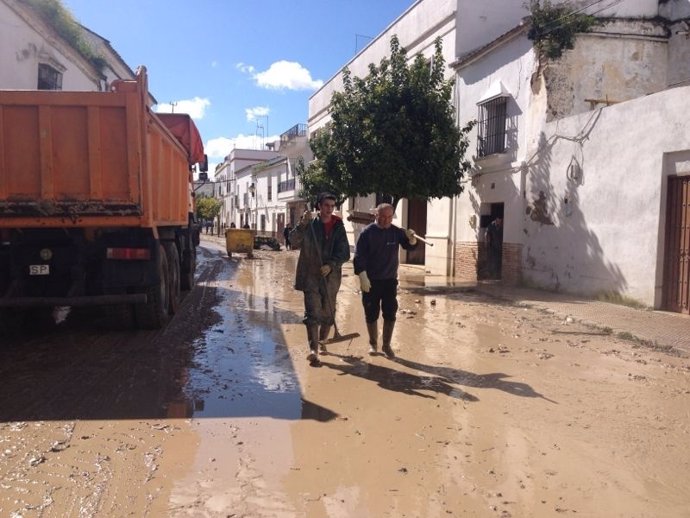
188 269
154 314
10 323
173 276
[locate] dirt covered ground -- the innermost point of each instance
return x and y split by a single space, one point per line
490 409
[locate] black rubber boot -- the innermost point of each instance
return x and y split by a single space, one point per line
324 331
373 330
388 326
313 337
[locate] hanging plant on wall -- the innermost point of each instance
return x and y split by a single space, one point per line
55 14
554 27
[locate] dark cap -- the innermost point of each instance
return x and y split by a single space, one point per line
325 196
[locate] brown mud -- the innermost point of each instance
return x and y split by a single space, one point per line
489 409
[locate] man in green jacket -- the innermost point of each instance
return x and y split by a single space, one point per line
323 247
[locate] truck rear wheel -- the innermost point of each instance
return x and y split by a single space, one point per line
188 269
154 314
173 276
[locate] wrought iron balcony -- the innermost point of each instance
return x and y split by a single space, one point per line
298 130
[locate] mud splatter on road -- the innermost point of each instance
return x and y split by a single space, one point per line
489 410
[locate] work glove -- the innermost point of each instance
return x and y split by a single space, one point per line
306 218
325 270
364 282
411 236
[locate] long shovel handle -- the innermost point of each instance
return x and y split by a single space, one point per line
424 241
420 238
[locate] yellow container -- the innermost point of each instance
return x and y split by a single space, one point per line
239 240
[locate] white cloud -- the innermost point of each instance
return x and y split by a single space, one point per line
218 148
195 108
246 69
283 75
256 112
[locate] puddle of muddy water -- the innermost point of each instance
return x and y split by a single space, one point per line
241 366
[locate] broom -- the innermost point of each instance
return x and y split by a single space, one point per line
337 337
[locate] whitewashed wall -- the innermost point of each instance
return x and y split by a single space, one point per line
609 234
416 28
497 178
479 23
675 9
25 42
625 8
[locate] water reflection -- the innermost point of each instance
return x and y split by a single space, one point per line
241 366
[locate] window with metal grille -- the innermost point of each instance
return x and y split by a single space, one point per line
270 190
491 136
49 78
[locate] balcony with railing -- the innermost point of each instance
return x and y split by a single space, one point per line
298 130
286 185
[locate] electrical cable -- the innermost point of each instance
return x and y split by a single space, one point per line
576 11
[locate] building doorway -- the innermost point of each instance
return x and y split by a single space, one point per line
490 257
676 286
416 220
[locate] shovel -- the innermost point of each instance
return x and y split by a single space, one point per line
337 337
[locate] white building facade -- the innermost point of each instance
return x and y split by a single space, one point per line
586 156
591 158
232 179
34 56
260 188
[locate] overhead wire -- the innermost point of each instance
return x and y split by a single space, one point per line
576 11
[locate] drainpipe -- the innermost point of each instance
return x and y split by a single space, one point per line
455 199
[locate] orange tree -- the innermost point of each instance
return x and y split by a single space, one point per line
392 132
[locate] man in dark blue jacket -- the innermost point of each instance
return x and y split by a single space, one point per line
376 263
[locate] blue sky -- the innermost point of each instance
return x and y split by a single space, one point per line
244 69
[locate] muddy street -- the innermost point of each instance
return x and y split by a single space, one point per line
489 409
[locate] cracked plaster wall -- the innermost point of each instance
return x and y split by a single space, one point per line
623 60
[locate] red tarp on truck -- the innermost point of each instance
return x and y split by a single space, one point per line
184 129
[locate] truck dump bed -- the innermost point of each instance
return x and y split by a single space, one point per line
90 159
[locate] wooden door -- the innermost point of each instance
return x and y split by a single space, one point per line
676 287
416 220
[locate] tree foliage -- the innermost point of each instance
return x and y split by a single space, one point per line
392 132
207 208
554 27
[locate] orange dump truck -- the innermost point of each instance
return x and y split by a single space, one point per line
96 202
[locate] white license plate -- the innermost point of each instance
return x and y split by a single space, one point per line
39 269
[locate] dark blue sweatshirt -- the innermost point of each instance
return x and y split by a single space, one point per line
377 250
